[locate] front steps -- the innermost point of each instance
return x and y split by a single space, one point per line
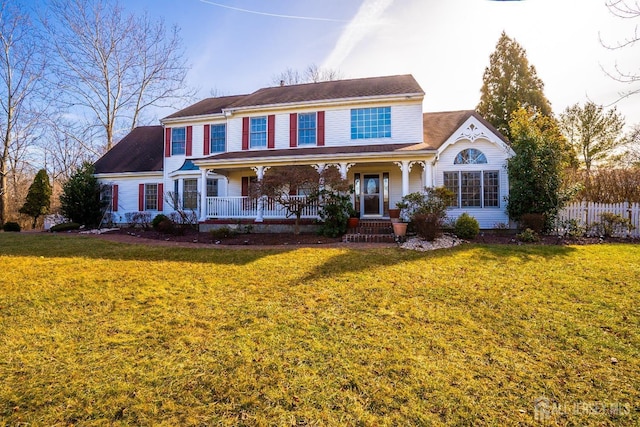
371 231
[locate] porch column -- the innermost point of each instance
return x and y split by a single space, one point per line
405 167
203 195
344 168
428 174
259 170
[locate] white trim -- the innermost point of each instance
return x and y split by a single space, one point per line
473 130
121 175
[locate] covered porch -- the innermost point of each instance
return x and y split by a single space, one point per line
380 176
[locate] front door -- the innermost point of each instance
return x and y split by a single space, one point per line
371 195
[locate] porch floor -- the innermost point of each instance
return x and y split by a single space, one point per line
371 231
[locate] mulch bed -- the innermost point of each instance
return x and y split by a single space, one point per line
280 239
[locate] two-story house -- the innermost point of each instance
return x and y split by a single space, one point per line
373 130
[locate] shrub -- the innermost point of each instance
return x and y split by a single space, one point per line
528 236
427 226
334 213
80 199
141 219
611 224
466 227
158 219
221 233
431 201
166 226
65 226
571 228
533 221
11 226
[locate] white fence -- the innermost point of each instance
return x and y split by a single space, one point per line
246 207
589 213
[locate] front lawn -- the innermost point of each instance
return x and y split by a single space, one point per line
98 333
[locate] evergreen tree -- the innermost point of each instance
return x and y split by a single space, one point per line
38 198
80 199
535 172
508 83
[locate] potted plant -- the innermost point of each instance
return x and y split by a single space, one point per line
394 214
399 223
354 218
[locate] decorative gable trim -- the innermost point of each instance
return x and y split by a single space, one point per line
473 130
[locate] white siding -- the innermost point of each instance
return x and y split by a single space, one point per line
128 193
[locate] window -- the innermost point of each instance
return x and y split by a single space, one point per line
178 141
106 195
470 156
150 197
212 188
258 132
470 189
451 183
371 123
218 138
474 188
491 187
307 129
190 194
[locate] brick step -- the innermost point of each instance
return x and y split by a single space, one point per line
368 238
371 230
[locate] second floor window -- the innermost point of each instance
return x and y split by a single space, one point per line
307 129
218 138
178 141
258 132
369 123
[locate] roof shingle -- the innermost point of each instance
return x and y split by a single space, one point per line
141 150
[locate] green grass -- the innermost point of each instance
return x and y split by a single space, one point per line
98 333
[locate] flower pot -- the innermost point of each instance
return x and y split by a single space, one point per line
394 213
399 228
353 222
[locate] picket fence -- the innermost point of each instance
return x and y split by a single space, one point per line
588 213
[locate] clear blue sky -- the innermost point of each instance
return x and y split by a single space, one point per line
444 44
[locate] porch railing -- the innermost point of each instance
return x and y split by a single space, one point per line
246 207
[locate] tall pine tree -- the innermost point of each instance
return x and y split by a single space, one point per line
510 82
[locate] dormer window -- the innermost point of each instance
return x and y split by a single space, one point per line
470 156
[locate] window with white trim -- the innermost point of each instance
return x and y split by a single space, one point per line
479 189
151 197
178 141
190 194
258 132
372 122
307 129
218 138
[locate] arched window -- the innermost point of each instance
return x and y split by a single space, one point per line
470 156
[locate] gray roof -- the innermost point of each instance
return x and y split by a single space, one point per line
140 151
309 92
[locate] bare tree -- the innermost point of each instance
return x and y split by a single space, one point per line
627 10
111 66
22 66
311 74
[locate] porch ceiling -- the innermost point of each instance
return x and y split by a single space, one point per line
368 153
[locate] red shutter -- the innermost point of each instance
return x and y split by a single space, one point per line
245 186
207 140
189 150
141 197
245 133
271 131
160 194
114 198
167 142
320 128
293 130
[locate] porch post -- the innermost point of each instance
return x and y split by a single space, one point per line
203 195
404 166
428 174
344 168
260 174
